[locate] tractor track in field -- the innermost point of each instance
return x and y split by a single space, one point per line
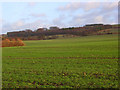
10 57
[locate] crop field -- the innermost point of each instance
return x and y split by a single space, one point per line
79 62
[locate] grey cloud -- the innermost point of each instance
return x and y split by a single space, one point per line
32 4
74 6
21 25
104 14
71 6
87 6
38 15
59 21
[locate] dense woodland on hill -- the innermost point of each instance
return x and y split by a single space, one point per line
54 32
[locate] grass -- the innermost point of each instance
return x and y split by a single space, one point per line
80 62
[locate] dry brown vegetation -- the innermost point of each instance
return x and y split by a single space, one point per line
13 42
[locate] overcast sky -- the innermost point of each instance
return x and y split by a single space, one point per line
32 15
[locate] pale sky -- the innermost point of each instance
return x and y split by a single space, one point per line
32 15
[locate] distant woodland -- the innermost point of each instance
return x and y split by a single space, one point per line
54 32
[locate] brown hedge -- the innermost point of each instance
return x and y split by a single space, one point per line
12 43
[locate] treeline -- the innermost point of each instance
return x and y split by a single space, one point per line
79 31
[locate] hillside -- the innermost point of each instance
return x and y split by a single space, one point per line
79 62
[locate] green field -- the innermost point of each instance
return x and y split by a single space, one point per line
79 62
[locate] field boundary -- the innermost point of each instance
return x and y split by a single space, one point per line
9 57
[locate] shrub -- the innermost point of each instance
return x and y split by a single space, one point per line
13 42
19 42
